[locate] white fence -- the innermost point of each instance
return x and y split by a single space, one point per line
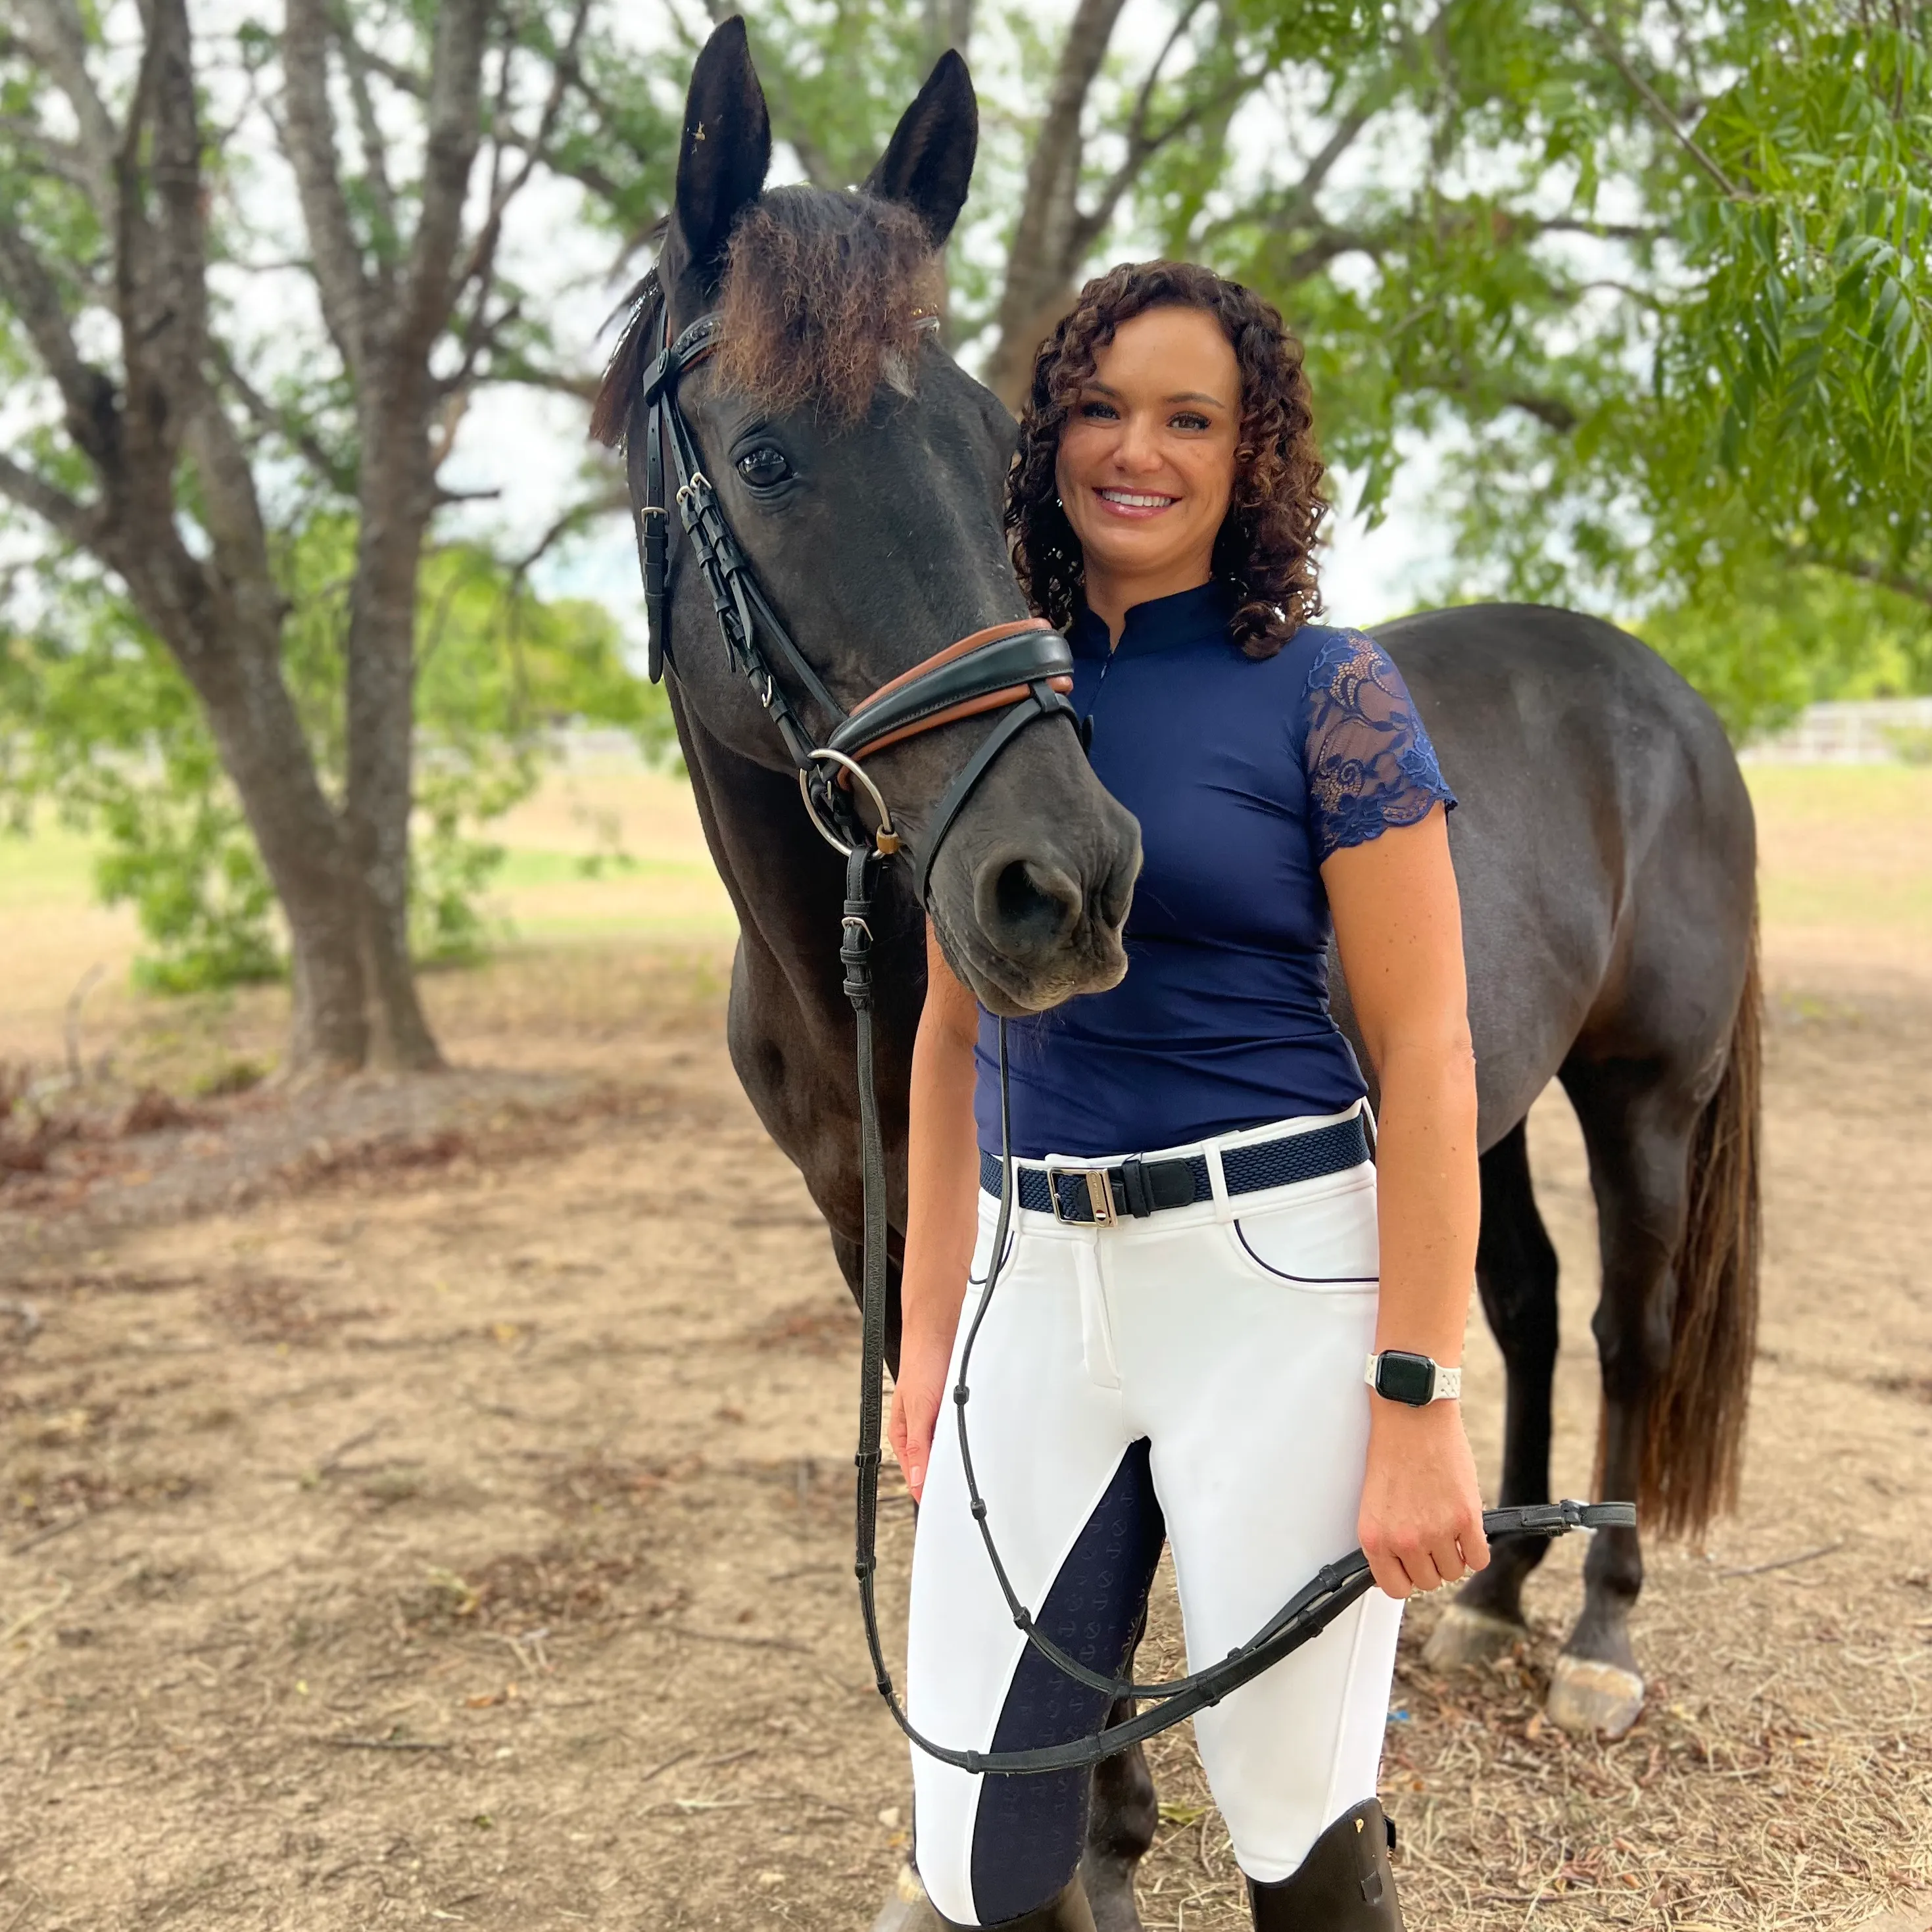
1870 731
1874 731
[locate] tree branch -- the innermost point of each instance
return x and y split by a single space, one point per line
483 253
339 475
1917 588
1552 412
60 40
308 139
375 155
1654 103
30 290
80 523
453 135
1038 265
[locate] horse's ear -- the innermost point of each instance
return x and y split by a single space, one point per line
725 149
928 165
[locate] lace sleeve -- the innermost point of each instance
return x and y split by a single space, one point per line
1369 762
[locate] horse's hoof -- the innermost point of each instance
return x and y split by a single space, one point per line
1587 1696
907 1908
1465 1635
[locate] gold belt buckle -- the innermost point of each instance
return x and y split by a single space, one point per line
1099 1196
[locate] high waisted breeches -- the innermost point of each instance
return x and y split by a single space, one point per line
1195 1376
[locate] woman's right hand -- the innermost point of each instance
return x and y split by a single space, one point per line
917 1393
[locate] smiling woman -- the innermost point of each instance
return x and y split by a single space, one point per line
1204 1254
1224 468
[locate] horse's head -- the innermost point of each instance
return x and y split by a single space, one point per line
860 470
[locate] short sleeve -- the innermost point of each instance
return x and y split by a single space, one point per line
1369 760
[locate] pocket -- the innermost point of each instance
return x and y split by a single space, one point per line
1328 1244
982 1246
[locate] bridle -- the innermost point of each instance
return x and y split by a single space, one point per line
1025 669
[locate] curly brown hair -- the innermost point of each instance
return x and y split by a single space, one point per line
1266 546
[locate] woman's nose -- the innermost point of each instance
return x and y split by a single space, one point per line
1139 449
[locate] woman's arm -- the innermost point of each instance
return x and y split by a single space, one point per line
1398 922
942 1211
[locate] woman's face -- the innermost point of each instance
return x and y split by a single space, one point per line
1146 457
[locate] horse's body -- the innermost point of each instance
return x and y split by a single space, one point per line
1604 847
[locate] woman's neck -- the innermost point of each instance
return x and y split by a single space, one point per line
1110 597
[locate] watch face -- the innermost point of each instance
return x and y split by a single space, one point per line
1405 1377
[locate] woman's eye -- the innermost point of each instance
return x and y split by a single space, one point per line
1097 412
1190 422
763 468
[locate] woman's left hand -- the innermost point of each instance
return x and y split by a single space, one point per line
1421 1521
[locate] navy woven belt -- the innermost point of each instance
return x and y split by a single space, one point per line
1137 1188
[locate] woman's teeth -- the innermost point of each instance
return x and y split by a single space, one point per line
1128 499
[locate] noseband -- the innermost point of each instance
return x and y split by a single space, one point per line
1024 668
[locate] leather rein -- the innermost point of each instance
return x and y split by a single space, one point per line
1025 669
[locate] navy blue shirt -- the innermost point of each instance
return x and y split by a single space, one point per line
1245 775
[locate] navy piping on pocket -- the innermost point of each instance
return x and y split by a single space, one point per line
1307 1280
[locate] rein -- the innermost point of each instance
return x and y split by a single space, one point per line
1024 668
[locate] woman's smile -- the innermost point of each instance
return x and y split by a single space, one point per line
1134 503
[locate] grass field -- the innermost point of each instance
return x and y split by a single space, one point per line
614 856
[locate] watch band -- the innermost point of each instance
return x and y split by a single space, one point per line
1403 1379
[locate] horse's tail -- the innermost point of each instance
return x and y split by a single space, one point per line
1693 1443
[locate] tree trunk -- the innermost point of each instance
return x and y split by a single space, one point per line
1047 241
267 758
397 498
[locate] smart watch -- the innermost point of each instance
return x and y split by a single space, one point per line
1396 1375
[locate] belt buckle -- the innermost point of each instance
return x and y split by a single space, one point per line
1099 1196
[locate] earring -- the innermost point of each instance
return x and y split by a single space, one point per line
1246 452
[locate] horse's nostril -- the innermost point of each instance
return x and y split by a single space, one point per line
1032 905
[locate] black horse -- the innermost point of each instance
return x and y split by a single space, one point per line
1604 849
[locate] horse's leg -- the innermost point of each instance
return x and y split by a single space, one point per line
1637 1128
1516 1271
1122 1815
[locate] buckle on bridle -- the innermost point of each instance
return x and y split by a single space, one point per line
1099 1196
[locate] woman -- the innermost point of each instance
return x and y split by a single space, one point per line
1203 1255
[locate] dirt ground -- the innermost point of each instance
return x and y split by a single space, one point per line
428 1502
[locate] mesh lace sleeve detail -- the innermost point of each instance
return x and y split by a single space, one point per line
1369 762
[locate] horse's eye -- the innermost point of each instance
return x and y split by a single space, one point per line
764 467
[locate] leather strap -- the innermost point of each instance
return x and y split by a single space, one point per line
953 684
1043 700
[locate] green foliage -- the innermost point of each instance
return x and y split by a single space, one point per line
1812 634
96 718
1656 279
101 724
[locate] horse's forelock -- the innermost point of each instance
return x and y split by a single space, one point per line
826 296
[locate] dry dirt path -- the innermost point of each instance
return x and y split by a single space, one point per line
432 1507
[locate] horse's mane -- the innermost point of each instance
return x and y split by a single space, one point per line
824 296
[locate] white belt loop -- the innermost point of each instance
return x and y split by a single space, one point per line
1217 1181
1369 1125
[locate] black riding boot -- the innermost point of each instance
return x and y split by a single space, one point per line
1344 1884
1066 1911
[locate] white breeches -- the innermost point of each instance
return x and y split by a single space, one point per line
1196 1373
